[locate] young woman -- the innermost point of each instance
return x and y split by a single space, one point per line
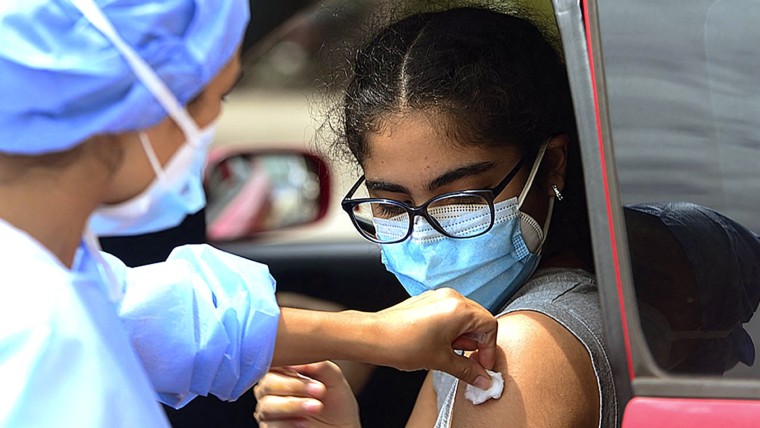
462 123
107 108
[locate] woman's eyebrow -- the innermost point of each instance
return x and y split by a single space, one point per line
461 172
442 180
384 185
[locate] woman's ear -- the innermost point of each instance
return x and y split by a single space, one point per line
555 163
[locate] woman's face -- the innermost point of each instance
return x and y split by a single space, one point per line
412 159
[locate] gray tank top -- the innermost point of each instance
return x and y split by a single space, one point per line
569 297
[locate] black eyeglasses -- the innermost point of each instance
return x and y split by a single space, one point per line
386 221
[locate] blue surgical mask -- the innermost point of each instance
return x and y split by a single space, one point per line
488 268
176 192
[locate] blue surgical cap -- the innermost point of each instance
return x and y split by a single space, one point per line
62 81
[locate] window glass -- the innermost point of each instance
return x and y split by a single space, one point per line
684 99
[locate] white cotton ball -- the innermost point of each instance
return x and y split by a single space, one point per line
477 395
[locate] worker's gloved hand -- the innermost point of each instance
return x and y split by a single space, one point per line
315 395
423 331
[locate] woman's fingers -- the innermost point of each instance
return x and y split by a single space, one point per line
307 395
477 332
285 398
484 332
325 373
468 369
288 382
275 408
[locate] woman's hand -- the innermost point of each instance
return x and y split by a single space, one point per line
424 331
312 395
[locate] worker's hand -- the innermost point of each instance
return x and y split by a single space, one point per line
311 395
419 333
424 331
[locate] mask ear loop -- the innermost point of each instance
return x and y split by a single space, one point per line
533 172
548 221
142 70
151 153
526 189
114 290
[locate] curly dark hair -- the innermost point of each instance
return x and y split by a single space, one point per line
494 77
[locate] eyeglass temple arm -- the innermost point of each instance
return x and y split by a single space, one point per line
508 179
354 188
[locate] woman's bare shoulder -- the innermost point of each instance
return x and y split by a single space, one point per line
549 379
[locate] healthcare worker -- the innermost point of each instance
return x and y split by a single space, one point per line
106 108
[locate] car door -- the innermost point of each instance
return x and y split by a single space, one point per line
667 102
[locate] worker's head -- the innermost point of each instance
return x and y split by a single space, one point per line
132 78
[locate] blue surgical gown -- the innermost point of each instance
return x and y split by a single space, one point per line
79 350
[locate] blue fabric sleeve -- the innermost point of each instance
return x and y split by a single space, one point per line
202 322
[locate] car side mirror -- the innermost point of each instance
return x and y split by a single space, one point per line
256 191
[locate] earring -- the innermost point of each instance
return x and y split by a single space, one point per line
557 192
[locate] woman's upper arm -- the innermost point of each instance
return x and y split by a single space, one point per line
425 409
549 380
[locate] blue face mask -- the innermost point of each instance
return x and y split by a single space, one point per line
488 268
176 192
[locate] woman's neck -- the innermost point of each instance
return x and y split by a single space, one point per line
51 203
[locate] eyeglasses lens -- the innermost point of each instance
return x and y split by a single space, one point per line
380 221
460 216
456 215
